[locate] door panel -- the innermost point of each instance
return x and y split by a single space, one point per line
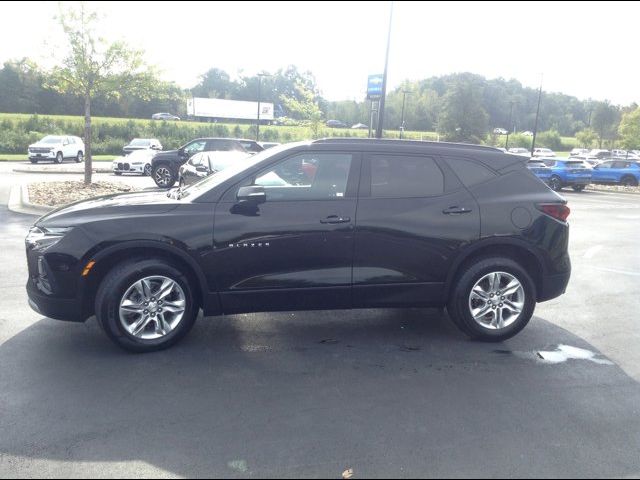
288 254
404 247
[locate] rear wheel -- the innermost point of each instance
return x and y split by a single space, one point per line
493 299
146 305
578 188
59 158
164 176
555 183
629 181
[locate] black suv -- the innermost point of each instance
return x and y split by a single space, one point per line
330 224
165 165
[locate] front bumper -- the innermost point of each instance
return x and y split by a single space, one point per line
125 167
58 308
42 156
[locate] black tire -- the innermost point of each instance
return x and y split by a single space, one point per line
555 183
147 170
118 281
33 160
458 305
117 173
59 158
629 181
79 157
164 175
578 188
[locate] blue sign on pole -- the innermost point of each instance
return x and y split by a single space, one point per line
374 86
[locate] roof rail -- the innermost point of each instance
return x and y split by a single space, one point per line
390 141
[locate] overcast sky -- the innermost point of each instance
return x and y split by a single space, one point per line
586 49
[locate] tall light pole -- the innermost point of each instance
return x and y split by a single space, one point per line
404 99
384 80
535 127
506 144
260 75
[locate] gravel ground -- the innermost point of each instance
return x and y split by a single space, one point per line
60 193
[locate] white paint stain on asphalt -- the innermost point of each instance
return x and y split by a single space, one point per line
566 352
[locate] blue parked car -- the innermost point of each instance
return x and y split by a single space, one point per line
618 172
568 173
540 169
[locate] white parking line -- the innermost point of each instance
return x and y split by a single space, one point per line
592 251
615 270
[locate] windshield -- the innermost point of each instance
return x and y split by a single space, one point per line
139 142
212 181
51 139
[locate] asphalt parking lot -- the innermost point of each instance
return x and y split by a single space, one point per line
388 393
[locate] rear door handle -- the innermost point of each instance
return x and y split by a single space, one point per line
336 219
456 210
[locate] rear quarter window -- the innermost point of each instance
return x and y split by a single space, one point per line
470 172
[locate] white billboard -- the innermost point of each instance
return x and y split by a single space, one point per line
234 109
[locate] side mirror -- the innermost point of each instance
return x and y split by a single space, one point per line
252 194
202 168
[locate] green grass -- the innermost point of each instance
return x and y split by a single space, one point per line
11 157
296 132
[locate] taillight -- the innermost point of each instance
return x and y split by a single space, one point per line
558 211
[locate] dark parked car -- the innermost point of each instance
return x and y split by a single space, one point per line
204 164
568 173
251 146
617 172
375 223
336 124
165 165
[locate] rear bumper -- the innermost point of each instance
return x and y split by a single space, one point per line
58 308
553 286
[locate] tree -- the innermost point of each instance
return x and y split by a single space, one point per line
304 107
95 68
586 138
463 118
215 83
604 121
630 130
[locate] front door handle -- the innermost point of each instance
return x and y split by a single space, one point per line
456 210
336 219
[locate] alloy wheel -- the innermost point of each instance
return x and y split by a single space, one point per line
163 177
147 170
496 300
152 307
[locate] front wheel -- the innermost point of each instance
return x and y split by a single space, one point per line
555 184
147 170
59 158
578 188
492 300
164 176
146 305
79 157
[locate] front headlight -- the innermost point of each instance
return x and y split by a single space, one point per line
41 238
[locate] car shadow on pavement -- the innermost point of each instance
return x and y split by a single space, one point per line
309 394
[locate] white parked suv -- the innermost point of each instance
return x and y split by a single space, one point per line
57 148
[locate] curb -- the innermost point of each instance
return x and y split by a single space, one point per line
19 202
28 169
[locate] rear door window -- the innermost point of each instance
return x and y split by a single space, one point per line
405 176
